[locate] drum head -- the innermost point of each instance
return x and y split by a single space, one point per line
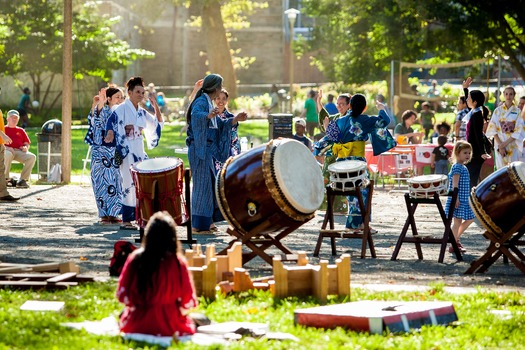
156 165
347 166
298 175
427 178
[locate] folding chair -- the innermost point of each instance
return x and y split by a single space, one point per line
86 160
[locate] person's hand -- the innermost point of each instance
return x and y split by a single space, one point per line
153 100
24 148
198 84
326 121
457 203
486 156
240 117
213 113
110 136
380 106
502 150
467 82
432 165
7 140
319 95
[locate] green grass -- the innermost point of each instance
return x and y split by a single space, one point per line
254 130
477 328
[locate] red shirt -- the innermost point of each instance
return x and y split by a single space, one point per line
18 135
159 312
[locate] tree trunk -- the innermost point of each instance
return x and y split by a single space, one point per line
217 46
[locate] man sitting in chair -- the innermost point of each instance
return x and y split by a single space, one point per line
18 149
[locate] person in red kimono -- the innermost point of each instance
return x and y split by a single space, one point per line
155 284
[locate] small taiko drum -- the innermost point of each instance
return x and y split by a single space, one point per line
159 186
499 200
348 175
426 186
275 186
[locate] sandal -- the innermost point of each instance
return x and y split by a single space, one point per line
200 232
104 221
114 220
128 226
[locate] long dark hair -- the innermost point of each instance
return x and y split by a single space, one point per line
407 114
358 103
160 239
210 84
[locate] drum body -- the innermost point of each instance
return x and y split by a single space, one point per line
159 186
348 174
274 186
498 201
426 186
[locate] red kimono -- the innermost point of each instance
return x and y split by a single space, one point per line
163 311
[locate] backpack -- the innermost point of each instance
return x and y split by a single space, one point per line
121 251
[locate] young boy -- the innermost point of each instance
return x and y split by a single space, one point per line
300 127
440 155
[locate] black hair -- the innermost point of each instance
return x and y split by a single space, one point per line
407 114
110 91
478 97
442 140
347 97
358 103
133 82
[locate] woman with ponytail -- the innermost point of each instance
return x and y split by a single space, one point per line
357 127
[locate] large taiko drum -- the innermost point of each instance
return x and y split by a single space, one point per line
159 186
425 186
348 175
274 186
499 200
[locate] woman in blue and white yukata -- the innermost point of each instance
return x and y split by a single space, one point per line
105 174
208 141
130 124
352 127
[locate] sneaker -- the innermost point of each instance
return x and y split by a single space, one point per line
22 184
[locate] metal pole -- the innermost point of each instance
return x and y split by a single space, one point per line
292 22
499 81
392 87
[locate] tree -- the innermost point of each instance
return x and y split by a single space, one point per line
356 40
217 35
32 39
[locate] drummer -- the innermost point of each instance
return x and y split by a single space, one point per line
352 127
336 150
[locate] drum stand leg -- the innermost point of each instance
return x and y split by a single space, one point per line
448 237
505 245
187 202
366 236
258 242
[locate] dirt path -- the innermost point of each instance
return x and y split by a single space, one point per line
57 223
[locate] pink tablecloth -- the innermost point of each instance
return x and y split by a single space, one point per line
406 157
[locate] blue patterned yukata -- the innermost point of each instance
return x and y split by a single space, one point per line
131 125
105 174
235 142
209 145
464 211
361 128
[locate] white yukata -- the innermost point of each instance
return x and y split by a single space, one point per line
507 123
130 126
